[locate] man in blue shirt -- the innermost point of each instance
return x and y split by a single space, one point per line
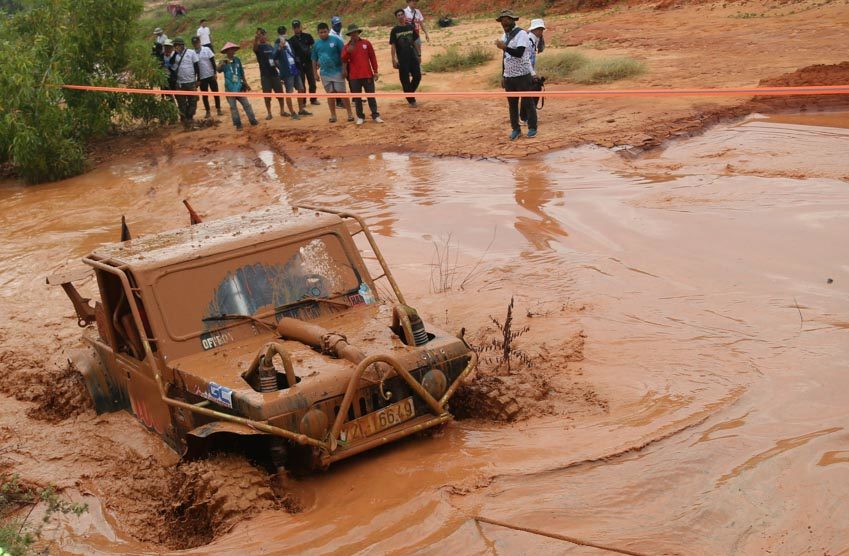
235 82
327 57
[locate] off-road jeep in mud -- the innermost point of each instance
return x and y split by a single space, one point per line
265 329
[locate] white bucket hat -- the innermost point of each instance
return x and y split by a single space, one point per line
536 24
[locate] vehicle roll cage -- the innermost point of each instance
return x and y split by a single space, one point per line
329 446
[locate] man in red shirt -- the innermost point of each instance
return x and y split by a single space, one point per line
360 68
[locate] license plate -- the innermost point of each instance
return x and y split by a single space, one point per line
377 421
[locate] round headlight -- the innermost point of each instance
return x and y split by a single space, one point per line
435 383
314 424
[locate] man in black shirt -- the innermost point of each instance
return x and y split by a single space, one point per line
268 74
301 44
406 56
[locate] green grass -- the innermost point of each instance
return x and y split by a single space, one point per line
494 81
575 67
237 20
454 59
560 65
607 70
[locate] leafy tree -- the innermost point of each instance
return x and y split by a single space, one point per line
43 128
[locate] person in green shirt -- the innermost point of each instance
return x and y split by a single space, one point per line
235 82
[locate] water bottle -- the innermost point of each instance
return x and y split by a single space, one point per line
365 293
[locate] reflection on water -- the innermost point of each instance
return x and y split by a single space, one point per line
712 331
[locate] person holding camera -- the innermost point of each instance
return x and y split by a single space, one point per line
302 45
517 71
186 66
268 74
208 77
235 82
535 36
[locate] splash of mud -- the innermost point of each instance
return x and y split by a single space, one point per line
57 390
547 384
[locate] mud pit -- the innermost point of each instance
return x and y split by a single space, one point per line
680 316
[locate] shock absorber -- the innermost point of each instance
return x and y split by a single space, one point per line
267 374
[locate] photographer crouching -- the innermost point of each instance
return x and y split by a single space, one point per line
517 74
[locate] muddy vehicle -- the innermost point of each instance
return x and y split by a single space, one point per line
263 331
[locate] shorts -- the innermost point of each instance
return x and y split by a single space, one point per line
270 82
333 84
292 83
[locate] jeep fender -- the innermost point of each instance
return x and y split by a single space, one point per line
203 439
88 363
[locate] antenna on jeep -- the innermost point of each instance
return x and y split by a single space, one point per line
125 231
193 216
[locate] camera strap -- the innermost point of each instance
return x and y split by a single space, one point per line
541 100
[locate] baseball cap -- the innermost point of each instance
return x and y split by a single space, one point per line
296 23
335 19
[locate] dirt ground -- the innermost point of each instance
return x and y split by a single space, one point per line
685 303
703 44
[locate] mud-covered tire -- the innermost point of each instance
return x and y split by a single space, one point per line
487 397
502 405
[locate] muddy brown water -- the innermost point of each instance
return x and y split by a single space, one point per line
713 334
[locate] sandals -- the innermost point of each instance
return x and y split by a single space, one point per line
332 120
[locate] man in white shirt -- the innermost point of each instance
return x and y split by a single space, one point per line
187 68
207 72
517 71
414 17
205 35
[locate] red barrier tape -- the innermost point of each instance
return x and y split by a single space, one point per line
742 91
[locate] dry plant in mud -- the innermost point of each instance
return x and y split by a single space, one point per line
445 267
493 394
501 348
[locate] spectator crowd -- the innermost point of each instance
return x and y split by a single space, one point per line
341 59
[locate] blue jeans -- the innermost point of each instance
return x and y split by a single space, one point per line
234 110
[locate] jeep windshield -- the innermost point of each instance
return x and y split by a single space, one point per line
207 299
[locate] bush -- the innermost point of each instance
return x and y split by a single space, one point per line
560 65
455 60
44 128
18 535
574 66
607 70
